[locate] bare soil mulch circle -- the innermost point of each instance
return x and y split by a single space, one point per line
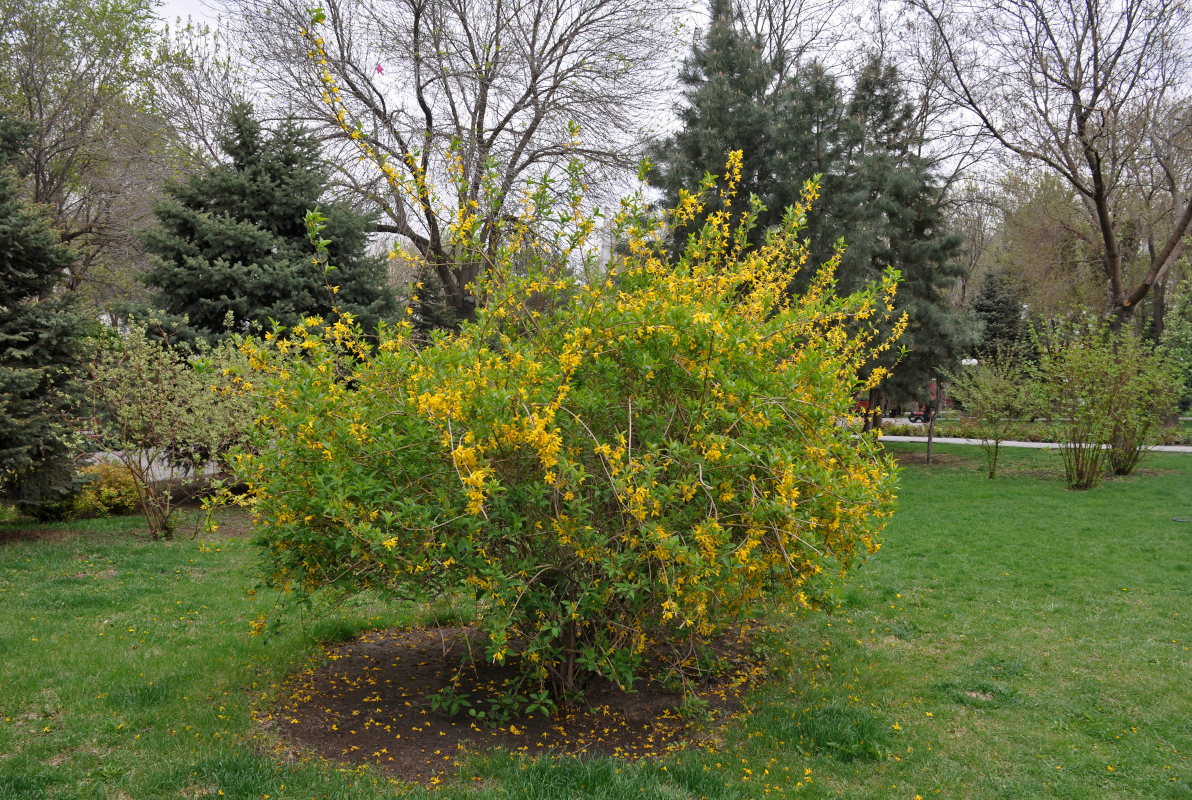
370 703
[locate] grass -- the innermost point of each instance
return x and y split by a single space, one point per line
1011 640
129 671
1027 640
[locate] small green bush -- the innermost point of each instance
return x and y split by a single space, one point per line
1104 393
996 393
1147 384
107 489
1071 391
166 410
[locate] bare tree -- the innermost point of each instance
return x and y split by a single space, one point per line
971 214
79 73
1158 184
205 80
472 97
1044 245
794 32
1096 91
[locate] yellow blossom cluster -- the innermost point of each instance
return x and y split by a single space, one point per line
609 465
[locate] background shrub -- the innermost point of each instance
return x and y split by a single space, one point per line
1104 393
996 394
1147 384
107 489
166 411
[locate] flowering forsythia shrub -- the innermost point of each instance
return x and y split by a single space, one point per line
609 467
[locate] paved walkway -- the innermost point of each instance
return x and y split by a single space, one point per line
1160 448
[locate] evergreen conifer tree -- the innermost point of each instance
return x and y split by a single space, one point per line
998 308
726 107
39 335
813 137
234 240
877 193
429 306
898 222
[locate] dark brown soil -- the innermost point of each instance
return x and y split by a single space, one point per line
10 534
371 703
232 523
920 457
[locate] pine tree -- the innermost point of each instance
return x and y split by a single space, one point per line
726 107
234 240
39 335
877 193
888 207
429 306
813 136
882 199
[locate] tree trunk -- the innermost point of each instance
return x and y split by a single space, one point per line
930 431
1159 309
873 417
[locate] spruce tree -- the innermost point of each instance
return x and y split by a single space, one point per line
812 133
998 309
39 335
429 306
233 239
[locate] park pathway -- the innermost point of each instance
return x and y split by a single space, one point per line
1161 448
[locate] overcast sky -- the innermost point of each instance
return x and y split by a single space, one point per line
199 10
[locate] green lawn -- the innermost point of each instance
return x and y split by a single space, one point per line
1012 639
